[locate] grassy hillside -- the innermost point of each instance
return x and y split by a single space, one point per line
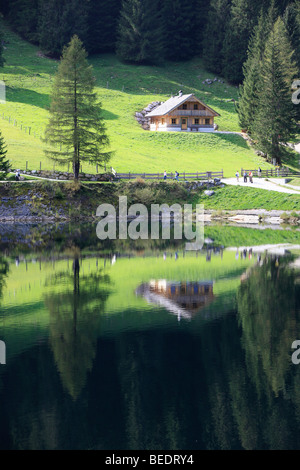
123 89
236 197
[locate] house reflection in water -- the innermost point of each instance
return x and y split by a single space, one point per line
183 299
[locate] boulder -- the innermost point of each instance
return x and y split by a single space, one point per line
209 193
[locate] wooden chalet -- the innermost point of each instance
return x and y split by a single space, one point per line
183 113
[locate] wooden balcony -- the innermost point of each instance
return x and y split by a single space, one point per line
191 112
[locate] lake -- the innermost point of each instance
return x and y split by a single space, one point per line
146 346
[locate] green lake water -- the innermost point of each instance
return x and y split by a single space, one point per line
148 346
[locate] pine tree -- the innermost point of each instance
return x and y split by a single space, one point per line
275 122
75 123
243 17
23 16
292 22
102 25
4 164
140 38
248 92
214 35
179 27
2 60
59 20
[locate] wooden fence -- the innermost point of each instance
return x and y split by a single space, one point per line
276 172
182 176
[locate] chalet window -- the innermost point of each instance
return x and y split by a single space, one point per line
196 121
162 121
173 121
207 121
184 106
195 106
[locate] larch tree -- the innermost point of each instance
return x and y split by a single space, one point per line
76 130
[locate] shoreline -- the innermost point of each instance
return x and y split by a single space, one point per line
262 217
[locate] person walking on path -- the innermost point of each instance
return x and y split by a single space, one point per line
177 175
250 176
237 176
259 172
165 175
17 175
245 177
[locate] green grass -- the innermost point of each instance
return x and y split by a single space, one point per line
123 89
236 197
295 182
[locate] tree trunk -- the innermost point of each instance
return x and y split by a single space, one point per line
76 167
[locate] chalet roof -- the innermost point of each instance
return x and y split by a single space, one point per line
173 103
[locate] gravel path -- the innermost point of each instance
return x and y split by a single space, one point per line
260 183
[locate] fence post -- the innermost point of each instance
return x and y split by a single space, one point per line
29 130
184 175
96 167
68 166
40 166
129 175
26 165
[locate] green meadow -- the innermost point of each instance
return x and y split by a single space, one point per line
123 89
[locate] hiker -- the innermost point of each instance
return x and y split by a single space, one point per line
250 176
245 177
17 175
177 175
165 175
259 172
237 176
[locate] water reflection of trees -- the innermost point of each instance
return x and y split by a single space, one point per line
228 385
75 315
268 313
4 267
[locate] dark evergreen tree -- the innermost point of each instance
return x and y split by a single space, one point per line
243 17
275 118
179 29
201 9
23 16
4 163
292 22
2 60
214 35
59 20
248 92
76 125
140 32
103 16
